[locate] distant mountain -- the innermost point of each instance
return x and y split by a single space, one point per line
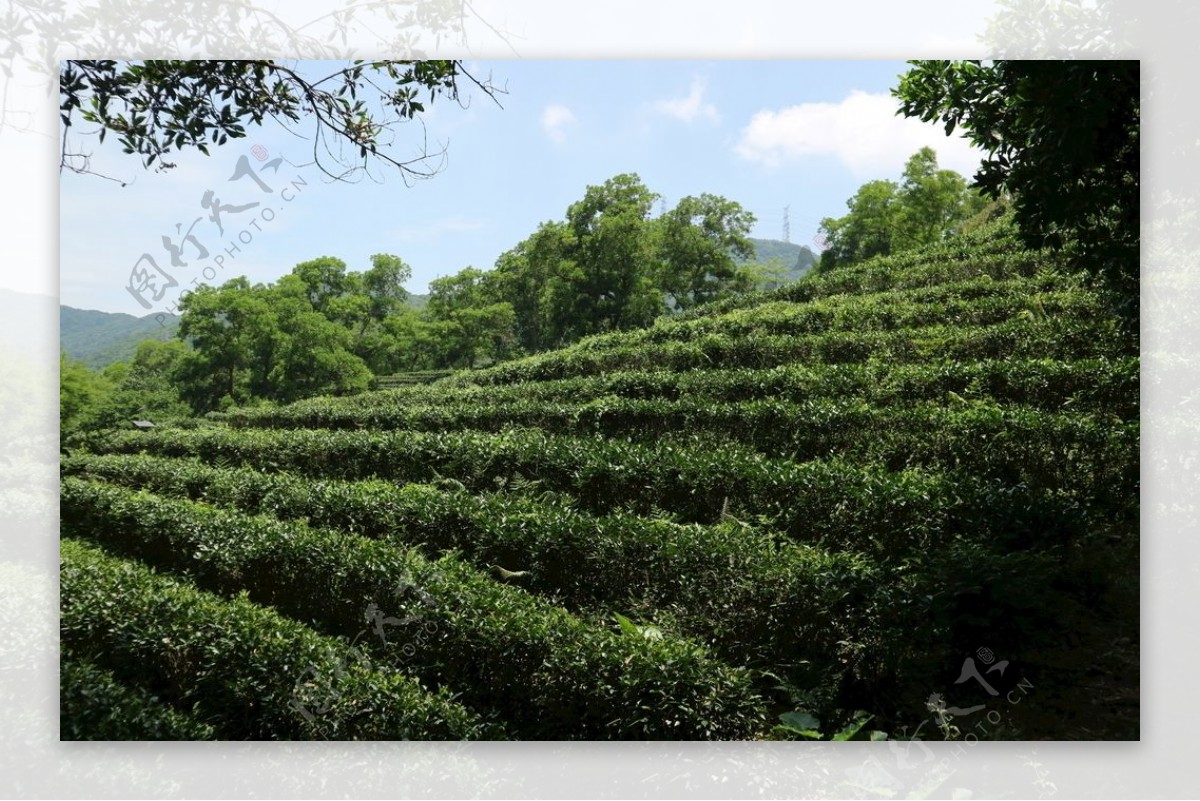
798 259
100 338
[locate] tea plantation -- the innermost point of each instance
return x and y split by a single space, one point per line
769 517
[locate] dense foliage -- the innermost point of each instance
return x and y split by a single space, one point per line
241 668
885 217
1062 138
610 265
323 329
155 108
611 494
817 500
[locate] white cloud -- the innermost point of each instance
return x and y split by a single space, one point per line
863 131
555 120
690 107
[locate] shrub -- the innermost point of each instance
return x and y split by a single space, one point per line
539 669
250 673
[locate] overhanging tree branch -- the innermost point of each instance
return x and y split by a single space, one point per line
159 107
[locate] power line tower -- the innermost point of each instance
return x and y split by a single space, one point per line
787 229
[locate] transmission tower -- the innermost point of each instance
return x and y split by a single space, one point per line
787 229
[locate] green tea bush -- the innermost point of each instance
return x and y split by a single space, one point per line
973 304
1063 338
827 502
583 561
545 673
756 600
94 705
246 671
993 252
1086 385
829 492
1086 457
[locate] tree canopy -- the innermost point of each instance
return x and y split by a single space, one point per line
315 331
323 329
156 108
887 217
142 388
469 322
610 265
1062 137
700 240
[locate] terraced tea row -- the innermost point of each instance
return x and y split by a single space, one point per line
818 498
1085 385
250 673
828 501
545 673
991 252
792 599
974 304
1086 455
95 705
413 378
1064 339
756 600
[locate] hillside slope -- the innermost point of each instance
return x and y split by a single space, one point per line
898 488
100 338
797 259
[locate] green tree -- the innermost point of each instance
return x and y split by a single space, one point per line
868 230
609 280
265 342
144 387
355 300
1062 137
609 265
409 342
698 241
234 336
383 285
80 392
932 203
928 205
325 281
469 323
156 108
312 354
523 277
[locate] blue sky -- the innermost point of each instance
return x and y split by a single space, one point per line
768 134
